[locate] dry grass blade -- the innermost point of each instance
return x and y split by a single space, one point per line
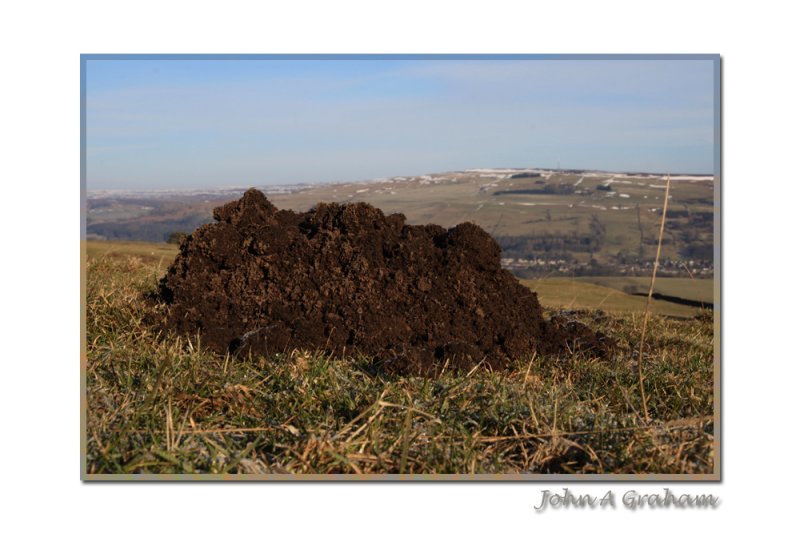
649 299
666 427
201 431
406 441
410 409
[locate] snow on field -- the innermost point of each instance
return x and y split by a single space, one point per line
613 175
362 191
603 175
215 191
541 204
505 171
579 180
427 179
624 195
694 178
658 186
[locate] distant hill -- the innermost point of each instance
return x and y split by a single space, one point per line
585 223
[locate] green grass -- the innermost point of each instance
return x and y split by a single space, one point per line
571 294
158 254
695 289
159 403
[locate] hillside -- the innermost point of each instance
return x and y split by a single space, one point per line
577 223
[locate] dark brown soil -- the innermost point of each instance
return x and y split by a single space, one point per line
347 278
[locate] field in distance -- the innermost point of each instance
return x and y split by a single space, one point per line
149 253
582 294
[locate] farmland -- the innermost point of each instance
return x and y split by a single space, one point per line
577 223
580 293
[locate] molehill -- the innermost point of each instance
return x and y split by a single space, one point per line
347 278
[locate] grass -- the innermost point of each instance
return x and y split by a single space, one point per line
159 403
568 293
158 254
696 289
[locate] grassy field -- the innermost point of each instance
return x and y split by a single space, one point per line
148 253
572 294
687 288
159 403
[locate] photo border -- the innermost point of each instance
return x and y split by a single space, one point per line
715 476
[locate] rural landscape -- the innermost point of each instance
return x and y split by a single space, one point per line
164 399
578 223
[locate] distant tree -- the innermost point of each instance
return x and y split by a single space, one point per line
598 232
176 238
641 231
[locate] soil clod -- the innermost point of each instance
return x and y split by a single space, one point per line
346 278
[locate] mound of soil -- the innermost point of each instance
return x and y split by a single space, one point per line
347 278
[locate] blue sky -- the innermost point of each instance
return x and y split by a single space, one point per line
200 123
